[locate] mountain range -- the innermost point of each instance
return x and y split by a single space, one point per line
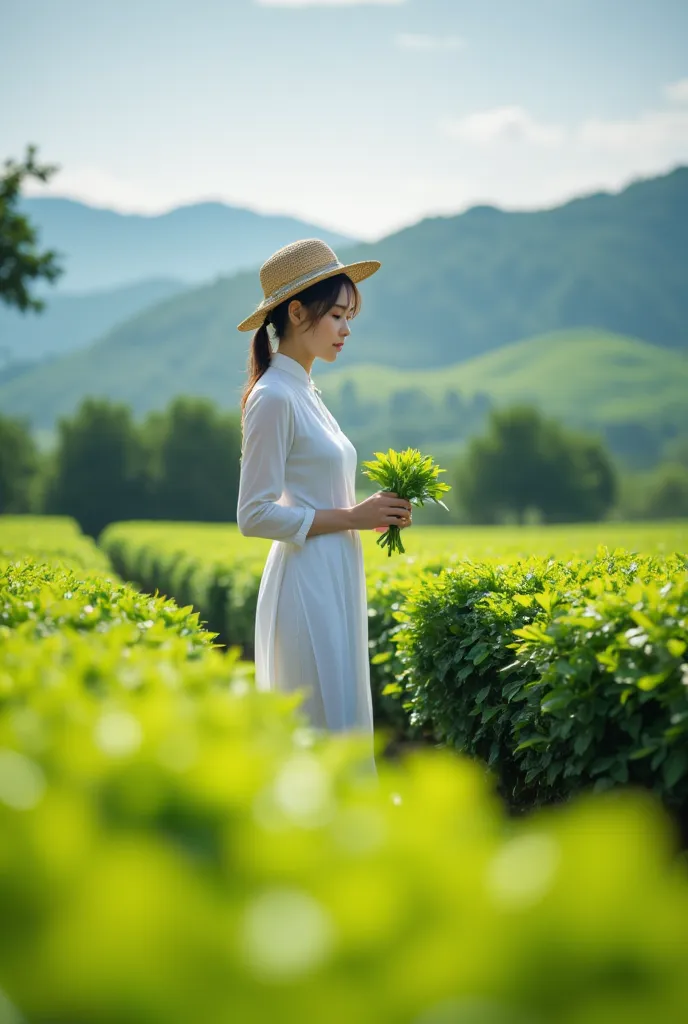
72 321
487 298
104 249
119 264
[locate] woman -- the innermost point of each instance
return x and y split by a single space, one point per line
297 488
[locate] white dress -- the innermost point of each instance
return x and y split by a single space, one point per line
311 630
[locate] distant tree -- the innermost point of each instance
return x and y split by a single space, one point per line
676 451
196 467
96 472
667 495
19 465
454 404
21 262
528 464
410 403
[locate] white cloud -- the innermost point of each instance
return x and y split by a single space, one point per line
425 43
677 92
503 124
660 134
652 132
327 3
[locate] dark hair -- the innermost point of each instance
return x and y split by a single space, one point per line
318 300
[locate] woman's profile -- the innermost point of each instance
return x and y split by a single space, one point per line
297 488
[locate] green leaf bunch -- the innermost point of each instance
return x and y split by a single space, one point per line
411 476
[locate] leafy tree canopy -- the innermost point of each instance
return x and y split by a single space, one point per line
21 261
527 462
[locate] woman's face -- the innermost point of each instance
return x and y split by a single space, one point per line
326 339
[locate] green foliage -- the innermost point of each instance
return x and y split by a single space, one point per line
527 463
177 846
54 538
667 494
561 676
409 475
209 566
387 593
181 463
668 497
21 262
19 466
218 571
660 492
195 463
614 665
96 467
48 599
676 451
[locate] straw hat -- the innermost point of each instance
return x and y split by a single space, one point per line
297 266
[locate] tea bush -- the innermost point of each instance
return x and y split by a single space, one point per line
45 599
204 565
55 537
218 571
214 568
561 676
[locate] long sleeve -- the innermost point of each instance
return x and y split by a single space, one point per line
268 432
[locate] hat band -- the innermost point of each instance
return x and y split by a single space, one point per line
297 282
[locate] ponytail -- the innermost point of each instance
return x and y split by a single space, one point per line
258 360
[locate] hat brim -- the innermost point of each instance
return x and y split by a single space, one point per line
355 271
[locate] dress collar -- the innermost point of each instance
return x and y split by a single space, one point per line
291 366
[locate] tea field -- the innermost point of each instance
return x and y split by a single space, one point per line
175 846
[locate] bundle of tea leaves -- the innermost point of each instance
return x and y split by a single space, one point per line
410 475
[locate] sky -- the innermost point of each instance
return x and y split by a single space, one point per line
363 116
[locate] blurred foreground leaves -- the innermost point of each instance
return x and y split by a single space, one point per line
176 847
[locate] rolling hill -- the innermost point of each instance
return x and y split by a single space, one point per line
586 377
195 243
628 391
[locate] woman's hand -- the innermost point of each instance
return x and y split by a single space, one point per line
380 511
